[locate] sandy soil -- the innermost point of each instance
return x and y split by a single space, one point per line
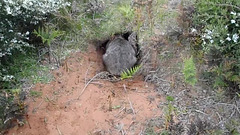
103 108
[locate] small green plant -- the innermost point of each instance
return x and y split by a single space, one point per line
47 35
168 111
130 72
127 11
150 131
189 71
170 98
165 132
35 94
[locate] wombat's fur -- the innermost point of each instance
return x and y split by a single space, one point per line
119 56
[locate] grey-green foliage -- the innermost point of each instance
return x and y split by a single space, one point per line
189 71
19 18
217 23
115 18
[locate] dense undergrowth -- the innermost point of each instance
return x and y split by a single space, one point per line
19 62
216 23
35 38
36 35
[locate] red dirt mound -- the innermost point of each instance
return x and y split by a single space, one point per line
103 108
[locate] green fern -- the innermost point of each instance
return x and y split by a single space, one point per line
189 71
47 35
130 72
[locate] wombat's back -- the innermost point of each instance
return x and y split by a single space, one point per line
119 56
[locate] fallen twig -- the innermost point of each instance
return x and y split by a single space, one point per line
120 111
97 83
35 109
110 103
87 85
27 118
124 86
231 105
201 112
130 103
59 132
131 106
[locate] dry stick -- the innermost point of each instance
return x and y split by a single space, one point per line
120 111
130 103
110 103
59 132
124 86
87 85
131 106
97 83
27 118
35 109
201 112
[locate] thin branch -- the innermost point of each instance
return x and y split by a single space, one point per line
35 109
131 106
124 87
59 132
87 85
120 111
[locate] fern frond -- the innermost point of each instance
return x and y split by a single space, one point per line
47 35
130 72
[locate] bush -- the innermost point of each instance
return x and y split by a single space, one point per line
218 25
18 61
105 21
19 18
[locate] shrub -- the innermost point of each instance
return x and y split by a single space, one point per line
114 18
218 25
17 57
19 18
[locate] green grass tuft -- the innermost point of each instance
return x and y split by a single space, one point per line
189 71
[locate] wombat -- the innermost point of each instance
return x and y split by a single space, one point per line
120 55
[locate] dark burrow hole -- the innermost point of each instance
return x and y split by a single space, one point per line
102 45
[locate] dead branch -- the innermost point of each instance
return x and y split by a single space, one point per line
35 109
130 103
59 132
87 85
124 87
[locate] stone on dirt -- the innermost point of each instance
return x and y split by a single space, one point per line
120 55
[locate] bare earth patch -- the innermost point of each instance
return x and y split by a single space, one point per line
103 108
